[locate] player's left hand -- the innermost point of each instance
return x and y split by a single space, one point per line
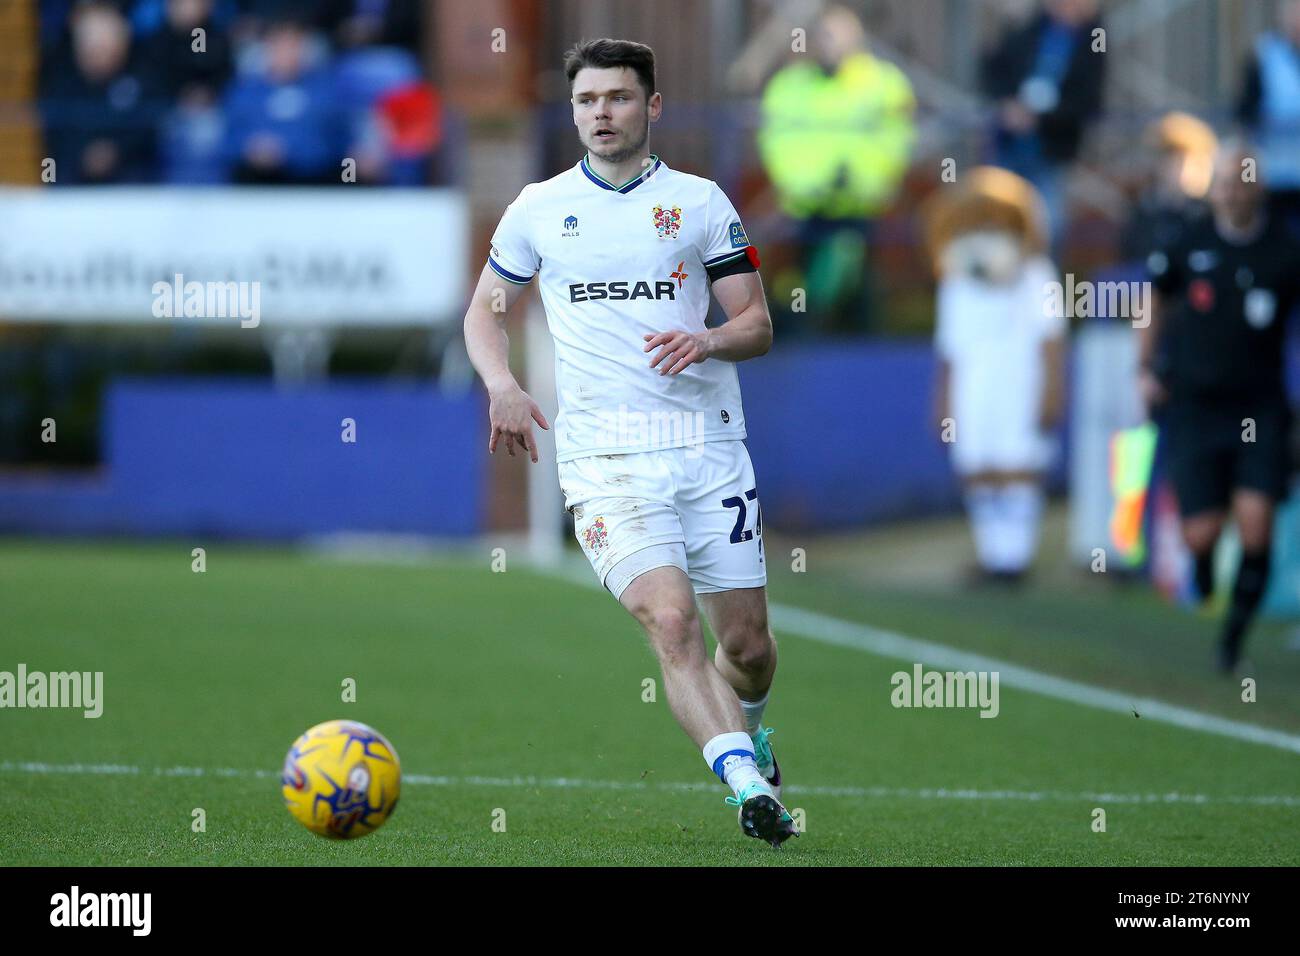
677 349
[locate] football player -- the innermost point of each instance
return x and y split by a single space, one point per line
650 430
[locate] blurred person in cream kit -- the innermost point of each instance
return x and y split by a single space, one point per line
1000 386
1212 369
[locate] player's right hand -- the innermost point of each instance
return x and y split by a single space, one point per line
512 413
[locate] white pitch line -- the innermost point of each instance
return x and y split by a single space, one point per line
815 626
579 783
862 637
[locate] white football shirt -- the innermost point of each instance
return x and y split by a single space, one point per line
614 263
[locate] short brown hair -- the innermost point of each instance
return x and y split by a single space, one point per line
603 53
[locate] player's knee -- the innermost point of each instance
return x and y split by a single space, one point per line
674 632
755 656
749 644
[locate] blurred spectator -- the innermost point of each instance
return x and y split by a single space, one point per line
393 118
98 105
359 23
1047 82
1180 157
1269 107
835 138
282 123
293 112
192 74
190 71
1000 387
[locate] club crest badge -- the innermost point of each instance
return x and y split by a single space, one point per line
668 222
594 537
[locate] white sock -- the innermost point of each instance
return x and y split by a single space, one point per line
1020 509
753 710
982 504
731 757
743 773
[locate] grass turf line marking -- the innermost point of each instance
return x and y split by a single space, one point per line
839 632
826 629
832 630
579 783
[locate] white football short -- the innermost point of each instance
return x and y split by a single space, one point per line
701 498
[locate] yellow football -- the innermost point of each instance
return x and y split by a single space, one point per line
341 779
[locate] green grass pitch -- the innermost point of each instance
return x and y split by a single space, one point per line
522 693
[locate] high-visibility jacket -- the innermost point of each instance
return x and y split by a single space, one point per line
836 145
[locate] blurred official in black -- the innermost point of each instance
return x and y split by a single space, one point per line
1212 369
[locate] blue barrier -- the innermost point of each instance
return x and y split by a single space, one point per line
243 459
840 434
